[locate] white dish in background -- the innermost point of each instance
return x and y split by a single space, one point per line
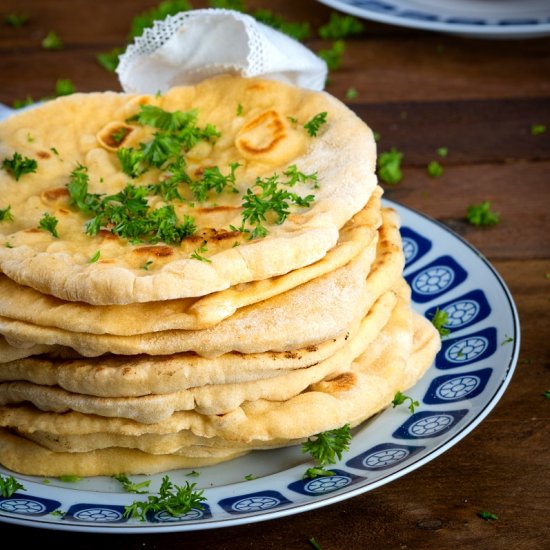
473 18
469 376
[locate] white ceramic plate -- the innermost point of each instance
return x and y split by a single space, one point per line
466 381
474 18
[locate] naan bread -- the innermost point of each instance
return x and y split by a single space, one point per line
263 139
26 304
322 309
394 364
210 398
116 376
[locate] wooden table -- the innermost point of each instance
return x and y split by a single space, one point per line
420 91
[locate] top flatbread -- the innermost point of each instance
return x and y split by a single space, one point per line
262 128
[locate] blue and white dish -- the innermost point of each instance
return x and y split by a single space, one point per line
467 379
474 18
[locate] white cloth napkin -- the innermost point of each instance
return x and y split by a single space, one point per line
191 46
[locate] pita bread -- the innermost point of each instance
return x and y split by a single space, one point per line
26 304
322 308
348 398
264 141
119 376
209 399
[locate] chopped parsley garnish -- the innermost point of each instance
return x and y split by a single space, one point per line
118 135
295 176
5 214
351 93
538 129
19 165
8 245
146 19
178 132
173 499
389 166
95 257
16 20
333 55
547 394
482 215
20 103
58 513
249 477
442 151
376 136
130 487
315 545
52 41
49 223
64 86
326 448
239 110
298 31
434 169
313 125
8 486
237 5
439 319
400 398
198 253
70 478
340 26
507 340
127 213
146 265
213 180
193 473
109 60
487 515
271 199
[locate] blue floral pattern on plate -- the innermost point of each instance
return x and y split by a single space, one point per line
468 377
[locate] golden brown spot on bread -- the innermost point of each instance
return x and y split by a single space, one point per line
63 211
113 135
55 193
106 261
160 251
32 230
262 134
43 155
344 382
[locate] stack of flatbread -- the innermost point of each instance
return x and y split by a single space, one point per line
282 314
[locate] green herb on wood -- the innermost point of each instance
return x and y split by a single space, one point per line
482 215
389 166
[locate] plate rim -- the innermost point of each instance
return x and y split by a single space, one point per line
462 29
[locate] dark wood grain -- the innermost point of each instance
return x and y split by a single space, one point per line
420 91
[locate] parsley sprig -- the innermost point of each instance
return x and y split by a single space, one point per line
271 199
389 166
178 131
131 487
313 125
482 215
49 223
401 398
127 213
19 165
8 486
439 319
5 214
176 500
326 448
